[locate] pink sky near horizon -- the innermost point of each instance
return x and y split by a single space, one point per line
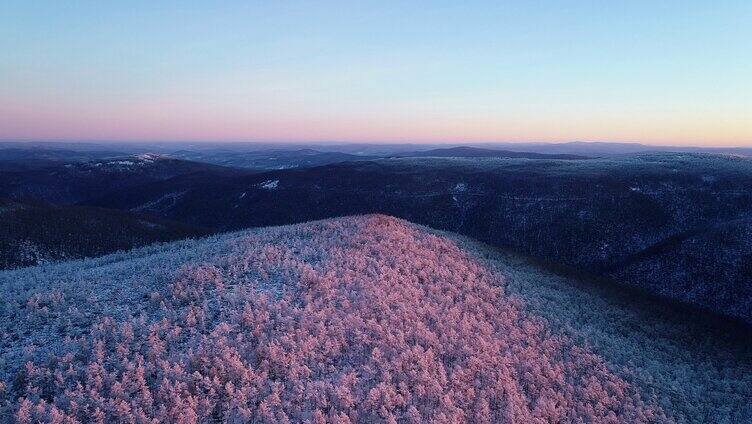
175 122
675 73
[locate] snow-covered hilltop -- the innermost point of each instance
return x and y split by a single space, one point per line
120 164
346 320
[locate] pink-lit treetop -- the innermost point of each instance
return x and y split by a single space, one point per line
363 319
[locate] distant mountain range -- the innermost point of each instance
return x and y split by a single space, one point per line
220 151
475 152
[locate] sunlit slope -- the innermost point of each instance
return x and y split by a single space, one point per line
347 320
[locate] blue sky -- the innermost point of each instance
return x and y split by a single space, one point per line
654 72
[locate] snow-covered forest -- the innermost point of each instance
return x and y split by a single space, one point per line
347 320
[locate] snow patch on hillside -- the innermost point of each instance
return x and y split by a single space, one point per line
269 184
122 162
151 157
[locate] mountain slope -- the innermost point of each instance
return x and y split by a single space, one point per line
32 232
719 256
348 320
351 320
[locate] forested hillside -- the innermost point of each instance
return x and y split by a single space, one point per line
72 182
347 320
33 233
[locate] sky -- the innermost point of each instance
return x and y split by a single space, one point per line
656 72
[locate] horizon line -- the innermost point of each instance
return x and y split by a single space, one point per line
371 142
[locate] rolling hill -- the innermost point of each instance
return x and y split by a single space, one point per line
268 159
23 157
354 319
79 182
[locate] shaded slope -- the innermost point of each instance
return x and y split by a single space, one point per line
355 319
34 233
712 263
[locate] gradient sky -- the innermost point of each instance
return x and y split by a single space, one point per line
660 72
